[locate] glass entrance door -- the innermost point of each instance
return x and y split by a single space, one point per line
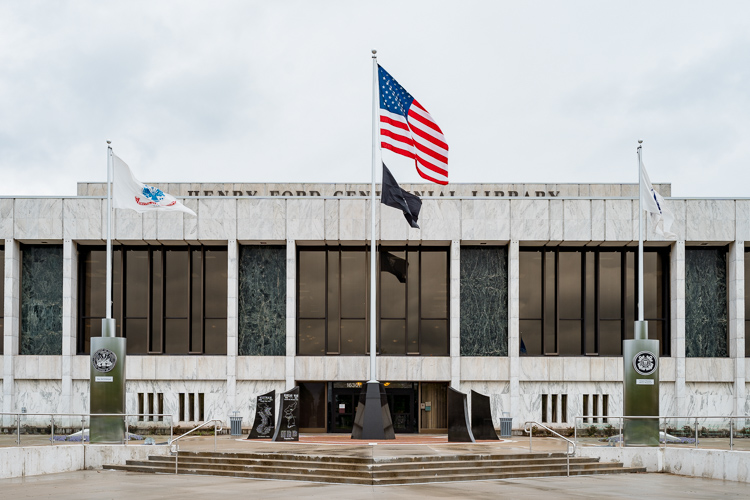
344 409
402 402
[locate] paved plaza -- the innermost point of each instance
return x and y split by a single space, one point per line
121 485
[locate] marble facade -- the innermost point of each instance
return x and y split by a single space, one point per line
706 372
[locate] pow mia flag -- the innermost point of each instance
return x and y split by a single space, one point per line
395 197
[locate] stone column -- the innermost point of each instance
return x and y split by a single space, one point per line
232 322
737 322
291 312
677 294
12 322
513 332
69 323
455 314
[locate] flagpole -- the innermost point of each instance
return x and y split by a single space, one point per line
109 233
640 233
373 248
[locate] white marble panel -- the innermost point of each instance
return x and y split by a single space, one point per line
710 220
708 398
149 226
596 366
217 219
484 368
440 219
678 209
529 220
742 214
392 225
6 218
498 392
38 395
37 367
248 391
485 220
533 368
556 216
82 219
353 220
577 220
709 370
261 219
260 368
619 223
331 226
667 370
598 220
305 219
37 218
190 368
128 224
576 369
613 369
170 225
214 391
190 224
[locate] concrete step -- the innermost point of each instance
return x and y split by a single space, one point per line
314 477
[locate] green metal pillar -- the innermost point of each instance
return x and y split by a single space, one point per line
641 388
107 386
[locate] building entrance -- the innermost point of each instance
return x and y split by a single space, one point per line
402 402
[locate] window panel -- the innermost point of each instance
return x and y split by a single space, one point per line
136 277
434 284
196 299
392 336
610 280
215 336
530 269
334 303
550 311
354 338
412 303
311 337
176 336
176 275
157 302
610 338
354 271
433 337
392 290
136 335
569 337
312 284
215 282
590 305
531 337
570 286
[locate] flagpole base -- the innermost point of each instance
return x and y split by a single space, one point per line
373 418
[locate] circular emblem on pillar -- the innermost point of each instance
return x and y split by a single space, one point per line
645 363
104 360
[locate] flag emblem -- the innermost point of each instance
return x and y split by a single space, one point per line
406 128
153 193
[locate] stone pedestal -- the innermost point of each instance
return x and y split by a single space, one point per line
107 383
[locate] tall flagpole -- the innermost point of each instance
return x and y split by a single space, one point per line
640 233
109 233
373 248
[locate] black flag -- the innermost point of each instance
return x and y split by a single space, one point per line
395 197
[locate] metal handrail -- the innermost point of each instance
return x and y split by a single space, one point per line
83 416
530 430
692 418
173 441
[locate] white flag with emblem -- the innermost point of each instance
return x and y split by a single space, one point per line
654 204
129 192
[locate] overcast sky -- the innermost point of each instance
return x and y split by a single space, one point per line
281 91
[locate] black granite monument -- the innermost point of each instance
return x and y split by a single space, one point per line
373 417
265 416
481 417
459 427
287 424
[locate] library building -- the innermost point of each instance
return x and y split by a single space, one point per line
521 292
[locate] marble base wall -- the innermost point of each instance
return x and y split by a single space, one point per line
498 392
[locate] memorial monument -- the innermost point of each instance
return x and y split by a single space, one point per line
265 416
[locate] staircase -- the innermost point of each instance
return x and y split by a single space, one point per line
379 471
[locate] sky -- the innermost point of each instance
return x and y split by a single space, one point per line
281 91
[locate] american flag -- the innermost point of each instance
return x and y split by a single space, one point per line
406 128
